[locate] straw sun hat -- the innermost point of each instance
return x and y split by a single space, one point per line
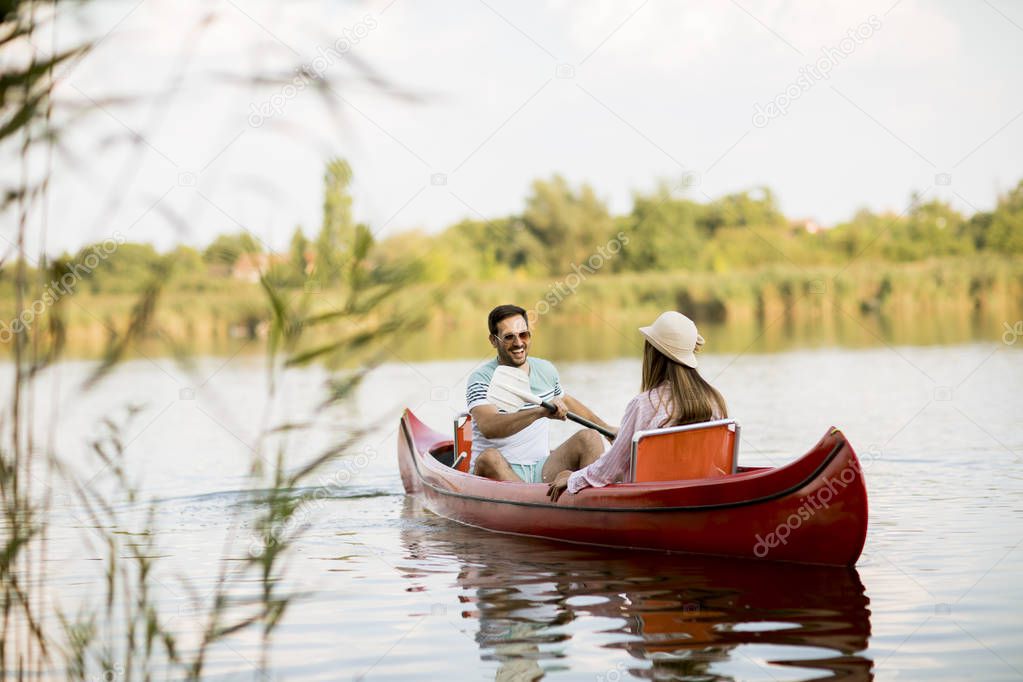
675 335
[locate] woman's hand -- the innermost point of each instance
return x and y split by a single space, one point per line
558 485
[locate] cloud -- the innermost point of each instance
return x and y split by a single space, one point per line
678 36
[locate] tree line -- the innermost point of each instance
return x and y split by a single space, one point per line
562 226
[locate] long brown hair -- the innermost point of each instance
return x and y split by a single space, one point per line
692 398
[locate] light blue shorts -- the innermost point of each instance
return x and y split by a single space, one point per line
530 473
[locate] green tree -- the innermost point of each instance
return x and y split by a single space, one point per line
855 237
930 229
487 249
337 235
978 227
1006 232
756 208
297 255
188 269
122 270
187 259
561 226
663 233
226 248
426 257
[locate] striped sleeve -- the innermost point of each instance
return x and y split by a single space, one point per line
476 390
551 380
558 390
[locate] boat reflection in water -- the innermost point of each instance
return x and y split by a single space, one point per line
677 616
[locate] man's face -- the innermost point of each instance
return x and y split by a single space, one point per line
512 341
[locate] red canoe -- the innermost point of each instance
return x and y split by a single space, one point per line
813 510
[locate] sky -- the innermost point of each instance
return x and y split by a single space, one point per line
449 111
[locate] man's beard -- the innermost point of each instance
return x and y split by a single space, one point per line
507 358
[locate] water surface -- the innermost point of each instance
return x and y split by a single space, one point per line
395 592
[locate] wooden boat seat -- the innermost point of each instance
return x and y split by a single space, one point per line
678 453
462 443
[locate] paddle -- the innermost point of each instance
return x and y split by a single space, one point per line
509 391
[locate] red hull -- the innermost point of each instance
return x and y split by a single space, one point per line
813 510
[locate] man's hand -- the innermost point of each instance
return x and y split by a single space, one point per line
558 485
614 430
561 410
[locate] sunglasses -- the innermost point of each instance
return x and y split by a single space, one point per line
509 338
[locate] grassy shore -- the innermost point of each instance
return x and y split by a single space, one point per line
812 305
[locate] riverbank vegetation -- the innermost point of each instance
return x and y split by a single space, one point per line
736 258
80 505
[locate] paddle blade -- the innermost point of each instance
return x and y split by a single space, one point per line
506 388
503 399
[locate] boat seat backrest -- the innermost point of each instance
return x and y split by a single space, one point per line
463 442
704 450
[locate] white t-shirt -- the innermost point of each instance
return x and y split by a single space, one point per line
531 443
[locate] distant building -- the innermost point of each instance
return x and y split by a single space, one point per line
808 225
249 265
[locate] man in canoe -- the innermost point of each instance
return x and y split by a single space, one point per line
515 446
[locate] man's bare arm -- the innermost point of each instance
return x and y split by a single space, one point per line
494 424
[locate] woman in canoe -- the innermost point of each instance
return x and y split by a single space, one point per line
673 394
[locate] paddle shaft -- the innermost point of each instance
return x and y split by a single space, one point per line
580 420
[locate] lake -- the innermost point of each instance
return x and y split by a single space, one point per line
394 592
